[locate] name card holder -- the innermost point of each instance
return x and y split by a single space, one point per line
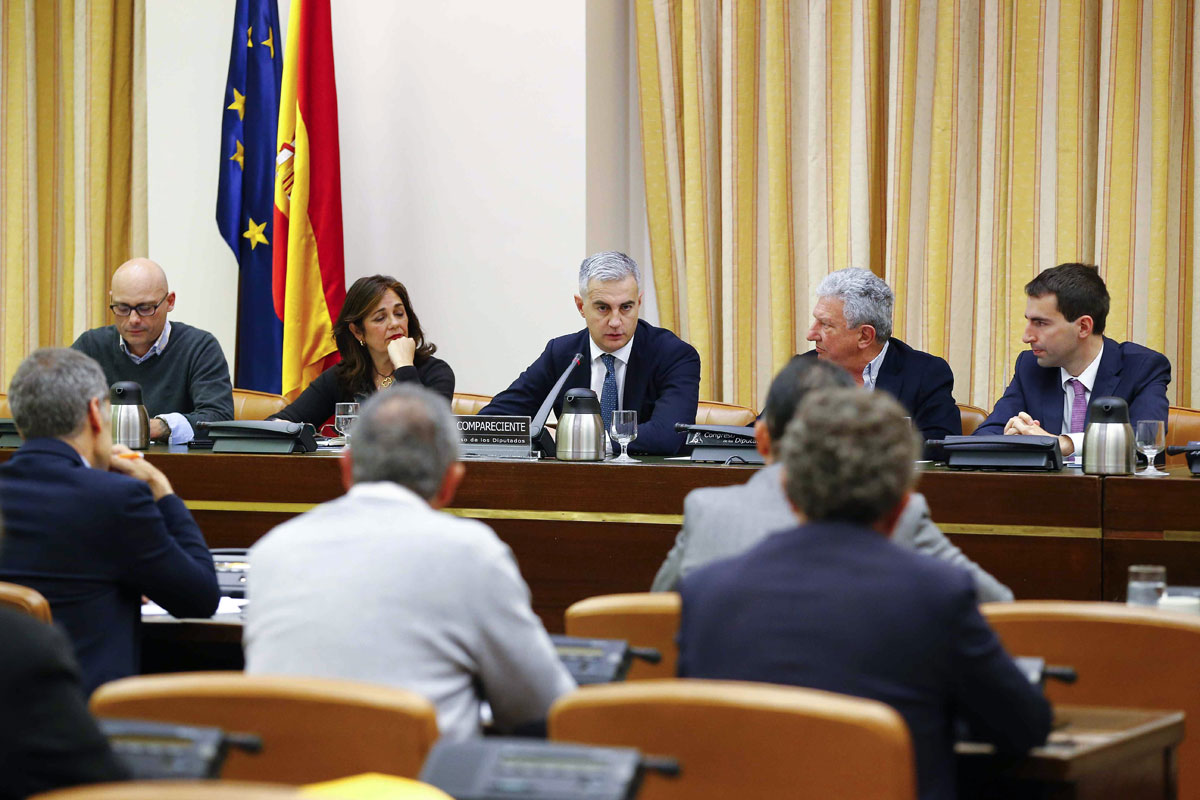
494 436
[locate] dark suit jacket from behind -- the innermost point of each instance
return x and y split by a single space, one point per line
47 737
1136 374
93 542
662 382
923 384
837 606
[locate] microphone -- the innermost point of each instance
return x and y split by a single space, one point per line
537 426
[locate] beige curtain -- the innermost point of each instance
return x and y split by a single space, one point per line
956 149
72 163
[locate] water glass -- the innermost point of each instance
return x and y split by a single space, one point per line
624 430
1147 583
344 415
1151 438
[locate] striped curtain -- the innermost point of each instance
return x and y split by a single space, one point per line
955 149
72 165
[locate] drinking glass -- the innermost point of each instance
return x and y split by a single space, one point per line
1147 583
1151 438
344 415
624 430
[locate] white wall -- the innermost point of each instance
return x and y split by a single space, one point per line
484 147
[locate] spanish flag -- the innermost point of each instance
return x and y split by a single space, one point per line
309 277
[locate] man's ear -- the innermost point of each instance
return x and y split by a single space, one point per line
95 415
450 482
579 304
866 336
1086 326
887 523
170 304
762 438
347 465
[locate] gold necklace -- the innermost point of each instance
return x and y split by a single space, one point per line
387 381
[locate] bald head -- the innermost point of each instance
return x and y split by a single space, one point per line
139 282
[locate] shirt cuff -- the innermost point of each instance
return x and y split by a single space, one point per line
1077 440
181 429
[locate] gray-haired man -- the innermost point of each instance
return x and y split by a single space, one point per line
852 327
381 586
627 362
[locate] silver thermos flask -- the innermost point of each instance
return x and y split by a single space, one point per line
1108 445
580 432
130 423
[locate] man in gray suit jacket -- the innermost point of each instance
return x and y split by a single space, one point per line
722 522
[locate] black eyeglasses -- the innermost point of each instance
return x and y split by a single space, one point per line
143 309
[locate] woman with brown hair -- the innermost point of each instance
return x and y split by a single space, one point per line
381 343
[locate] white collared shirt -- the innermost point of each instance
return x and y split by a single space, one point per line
870 372
159 345
1088 379
619 365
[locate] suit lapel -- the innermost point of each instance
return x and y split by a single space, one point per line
636 374
1051 392
1109 373
891 371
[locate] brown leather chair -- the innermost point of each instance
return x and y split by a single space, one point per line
465 403
1125 656
972 417
648 619
746 740
248 404
22 598
1183 426
5 411
709 412
176 790
313 729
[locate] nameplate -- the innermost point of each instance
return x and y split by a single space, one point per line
495 437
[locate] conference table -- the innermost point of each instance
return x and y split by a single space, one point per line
582 529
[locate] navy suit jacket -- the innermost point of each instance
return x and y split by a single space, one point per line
662 382
93 542
1136 374
923 384
47 738
839 607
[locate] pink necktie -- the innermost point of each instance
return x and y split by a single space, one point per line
1078 406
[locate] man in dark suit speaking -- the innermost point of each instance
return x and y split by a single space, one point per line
1070 360
835 605
852 327
627 362
91 540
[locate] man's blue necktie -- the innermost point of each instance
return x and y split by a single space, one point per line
608 396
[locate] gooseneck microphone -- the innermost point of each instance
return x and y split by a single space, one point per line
537 426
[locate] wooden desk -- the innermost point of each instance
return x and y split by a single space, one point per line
1093 753
1151 521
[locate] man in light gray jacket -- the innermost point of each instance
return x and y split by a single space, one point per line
725 521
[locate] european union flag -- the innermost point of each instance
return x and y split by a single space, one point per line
246 193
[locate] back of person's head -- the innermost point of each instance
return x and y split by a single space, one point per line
406 435
607 266
1078 289
794 381
50 392
866 299
849 455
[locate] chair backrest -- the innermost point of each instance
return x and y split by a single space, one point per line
1183 426
249 404
312 729
712 413
5 411
1125 656
22 598
175 790
746 740
972 417
465 403
647 619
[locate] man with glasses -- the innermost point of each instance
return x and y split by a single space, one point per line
181 369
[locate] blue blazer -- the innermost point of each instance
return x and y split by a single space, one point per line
662 381
837 606
93 542
923 384
1136 374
